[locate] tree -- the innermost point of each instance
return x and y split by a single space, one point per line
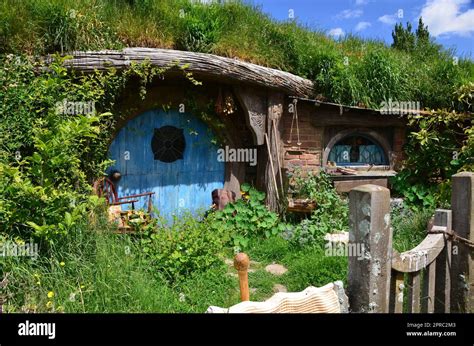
422 34
405 39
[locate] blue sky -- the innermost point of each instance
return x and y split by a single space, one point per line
450 22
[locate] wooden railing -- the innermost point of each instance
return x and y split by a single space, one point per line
423 272
435 276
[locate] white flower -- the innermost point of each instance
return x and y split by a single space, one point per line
182 297
72 13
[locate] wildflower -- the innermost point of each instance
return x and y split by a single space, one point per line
182 297
49 304
50 294
72 297
19 241
62 264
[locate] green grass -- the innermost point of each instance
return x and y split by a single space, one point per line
375 72
306 267
103 272
409 228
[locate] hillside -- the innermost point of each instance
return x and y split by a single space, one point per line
350 71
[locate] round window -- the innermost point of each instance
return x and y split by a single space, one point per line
168 144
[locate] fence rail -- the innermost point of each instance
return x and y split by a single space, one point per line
435 276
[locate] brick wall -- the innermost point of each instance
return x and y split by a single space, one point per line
311 138
399 140
309 157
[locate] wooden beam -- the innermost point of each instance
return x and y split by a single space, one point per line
200 64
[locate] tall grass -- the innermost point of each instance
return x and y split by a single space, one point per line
98 271
350 71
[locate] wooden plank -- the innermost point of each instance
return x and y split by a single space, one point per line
347 185
420 256
413 295
399 288
443 265
357 118
462 270
428 296
200 64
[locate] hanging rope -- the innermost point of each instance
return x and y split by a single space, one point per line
295 118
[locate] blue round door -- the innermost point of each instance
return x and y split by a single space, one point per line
172 154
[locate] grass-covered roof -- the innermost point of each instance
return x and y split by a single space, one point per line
351 71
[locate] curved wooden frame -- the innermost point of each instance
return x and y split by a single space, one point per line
420 256
371 134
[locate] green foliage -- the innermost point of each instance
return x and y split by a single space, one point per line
405 39
46 192
188 246
440 145
409 227
330 215
248 218
95 271
49 150
199 28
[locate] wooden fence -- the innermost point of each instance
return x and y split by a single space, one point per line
435 276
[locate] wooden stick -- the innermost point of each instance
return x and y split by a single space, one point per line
271 164
241 263
278 155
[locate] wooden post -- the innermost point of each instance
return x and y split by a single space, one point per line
428 295
369 276
275 102
241 263
462 270
443 218
414 284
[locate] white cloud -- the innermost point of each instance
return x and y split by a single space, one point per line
362 2
346 14
362 26
389 19
446 17
336 32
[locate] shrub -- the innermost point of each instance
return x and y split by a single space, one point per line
440 144
188 246
330 215
248 218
